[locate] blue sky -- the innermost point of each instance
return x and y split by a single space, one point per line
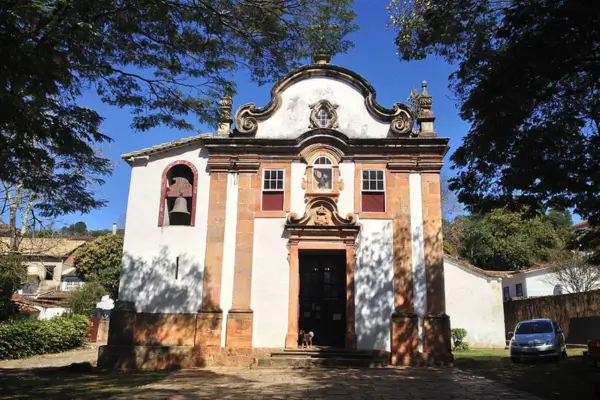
374 57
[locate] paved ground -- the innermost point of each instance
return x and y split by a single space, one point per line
53 360
313 384
305 384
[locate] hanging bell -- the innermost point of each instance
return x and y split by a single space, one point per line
180 206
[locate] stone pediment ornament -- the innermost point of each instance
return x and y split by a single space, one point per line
321 211
399 116
331 122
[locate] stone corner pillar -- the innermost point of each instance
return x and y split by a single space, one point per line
122 324
240 317
239 328
209 324
405 337
437 342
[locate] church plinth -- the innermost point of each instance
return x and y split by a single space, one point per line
437 347
405 338
239 328
209 324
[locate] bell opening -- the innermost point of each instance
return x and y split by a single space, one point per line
180 211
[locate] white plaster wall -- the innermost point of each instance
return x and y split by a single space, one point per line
270 283
150 251
540 283
418 251
346 200
353 118
49 313
297 204
374 284
474 302
229 249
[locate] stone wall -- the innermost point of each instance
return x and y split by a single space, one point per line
577 314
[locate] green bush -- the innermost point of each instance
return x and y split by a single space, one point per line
83 300
23 338
458 339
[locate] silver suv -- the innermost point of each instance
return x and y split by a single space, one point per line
537 338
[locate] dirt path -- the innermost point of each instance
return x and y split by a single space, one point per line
54 360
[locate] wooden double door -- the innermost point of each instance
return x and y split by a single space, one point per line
323 296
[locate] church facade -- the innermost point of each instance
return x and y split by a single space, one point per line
320 211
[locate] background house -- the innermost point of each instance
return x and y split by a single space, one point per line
46 260
535 281
474 302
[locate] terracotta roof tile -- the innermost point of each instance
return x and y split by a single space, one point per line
467 265
50 247
164 146
581 225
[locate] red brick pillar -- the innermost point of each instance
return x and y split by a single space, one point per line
240 318
436 340
210 316
404 346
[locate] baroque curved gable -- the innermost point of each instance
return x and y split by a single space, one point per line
350 98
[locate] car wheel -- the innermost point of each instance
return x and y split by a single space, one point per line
515 360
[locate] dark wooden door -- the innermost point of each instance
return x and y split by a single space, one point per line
323 297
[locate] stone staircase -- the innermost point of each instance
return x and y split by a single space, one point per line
324 357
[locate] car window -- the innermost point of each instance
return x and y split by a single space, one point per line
526 328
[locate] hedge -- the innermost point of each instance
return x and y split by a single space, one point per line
25 338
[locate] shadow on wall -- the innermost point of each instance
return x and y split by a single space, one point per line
169 283
374 288
167 292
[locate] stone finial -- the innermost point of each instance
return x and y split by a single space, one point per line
322 57
426 117
225 109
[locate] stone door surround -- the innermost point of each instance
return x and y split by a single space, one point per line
321 228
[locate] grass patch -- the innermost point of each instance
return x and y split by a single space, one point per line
568 379
60 384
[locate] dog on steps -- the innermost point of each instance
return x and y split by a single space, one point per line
306 338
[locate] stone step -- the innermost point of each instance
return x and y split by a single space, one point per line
308 362
324 354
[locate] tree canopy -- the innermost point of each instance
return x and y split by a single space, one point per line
100 261
528 82
504 239
166 61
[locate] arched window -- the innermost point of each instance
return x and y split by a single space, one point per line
178 194
323 174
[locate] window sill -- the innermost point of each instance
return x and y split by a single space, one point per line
375 215
270 214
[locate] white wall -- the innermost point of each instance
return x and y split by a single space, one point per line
474 303
48 313
270 283
353 118
346 200
540 283
150 252
374 284
418 251
297 204
228 271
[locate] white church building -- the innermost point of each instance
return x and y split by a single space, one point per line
320 211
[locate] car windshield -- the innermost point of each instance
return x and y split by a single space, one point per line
526 328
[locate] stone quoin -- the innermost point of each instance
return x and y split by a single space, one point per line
320 211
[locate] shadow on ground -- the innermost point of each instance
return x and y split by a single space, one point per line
566 380
330 383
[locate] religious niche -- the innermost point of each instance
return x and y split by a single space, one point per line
323 174
323 115
179 195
